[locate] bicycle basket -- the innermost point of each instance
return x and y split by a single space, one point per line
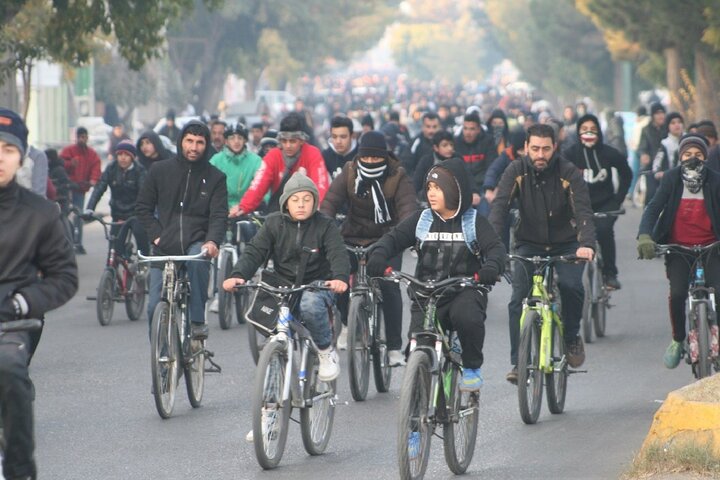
264 307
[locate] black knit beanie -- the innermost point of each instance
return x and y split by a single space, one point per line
372 144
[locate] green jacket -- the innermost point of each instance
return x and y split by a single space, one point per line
239 170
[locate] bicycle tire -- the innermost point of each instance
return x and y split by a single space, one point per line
382 372
460 433
225 299
242 298
135 296
587 311
413 424
599 306
105 301
556 382
316 419
256 341
358 348
164 360
269 410
194 370
704 364
530 377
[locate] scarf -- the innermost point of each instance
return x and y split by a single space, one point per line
290 161
693 174
589 174
369 175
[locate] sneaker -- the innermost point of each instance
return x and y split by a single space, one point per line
612 283
396 358
342 339
512 375
199 331
329 365
80 250
413 445
672 354
214 305
471 380
249 437
575 352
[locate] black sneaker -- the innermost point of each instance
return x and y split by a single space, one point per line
80 250
612 283
512 376
199 331
575 352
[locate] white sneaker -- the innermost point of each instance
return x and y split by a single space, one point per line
249 437
329 365
342 339
396 358
214 305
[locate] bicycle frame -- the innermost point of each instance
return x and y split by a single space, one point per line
363 284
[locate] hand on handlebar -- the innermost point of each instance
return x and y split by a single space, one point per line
235 212
211 250
230 283
585 253
337 286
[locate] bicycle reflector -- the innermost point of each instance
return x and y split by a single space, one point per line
388 271
476 277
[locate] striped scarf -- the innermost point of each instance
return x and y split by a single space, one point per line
369 175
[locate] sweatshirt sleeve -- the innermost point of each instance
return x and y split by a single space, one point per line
657 205
261 184
255 252
405 199
501 205
625 176
580 202
317 172
337 194
99 189
146 204
401 236
336 253
218 211
490 243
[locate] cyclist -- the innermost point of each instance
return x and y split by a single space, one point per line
190 198
279 164
422 144
443 254
125 177
685 210
151 149
667 155
38 274
650 140
555 219
377 194
283 238
342 148
596 160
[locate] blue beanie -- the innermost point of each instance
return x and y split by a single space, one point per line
13 130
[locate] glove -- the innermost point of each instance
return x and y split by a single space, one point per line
9 310
646 247
377 263
488 275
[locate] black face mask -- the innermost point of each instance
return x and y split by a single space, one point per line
694 163
693 173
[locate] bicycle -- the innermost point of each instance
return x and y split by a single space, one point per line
430 395
597 295
542 347
701 343
366 331
121 280
287 378
171 344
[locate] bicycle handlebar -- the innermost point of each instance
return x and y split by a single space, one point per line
612 213
358 250
23 325
538 260
284 291
173 258
664 249
396 275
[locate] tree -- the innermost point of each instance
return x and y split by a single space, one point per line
117 84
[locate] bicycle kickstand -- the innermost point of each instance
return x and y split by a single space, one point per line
214 367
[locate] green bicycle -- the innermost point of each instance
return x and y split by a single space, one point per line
541 355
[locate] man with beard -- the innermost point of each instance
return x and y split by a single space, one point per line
478 150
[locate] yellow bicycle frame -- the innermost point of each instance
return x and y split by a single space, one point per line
546 309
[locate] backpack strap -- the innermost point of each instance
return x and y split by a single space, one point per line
468 229
423 228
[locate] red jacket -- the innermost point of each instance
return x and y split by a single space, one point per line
270 174
86 171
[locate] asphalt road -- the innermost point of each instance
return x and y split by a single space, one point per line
95 417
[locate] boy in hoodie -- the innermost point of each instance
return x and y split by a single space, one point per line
596 159
342 146
443 254
183 208
285 237
150 149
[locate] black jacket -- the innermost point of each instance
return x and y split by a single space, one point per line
124 188
61 182
163 153
438 259
659 215
600 157
282 240
36 258
554 204
335 161
420 147
190 199
422 169
478 155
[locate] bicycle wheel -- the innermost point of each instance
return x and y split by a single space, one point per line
530 377
704 363
460 432
194 367
587 311
164 359
316 419
414 428
270 413
135 295
556 382
241 300
257 341
358 340
225 299
381 365
105 302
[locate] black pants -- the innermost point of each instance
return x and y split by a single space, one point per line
122 233
16 403
605 231
464 314
392 304
677 268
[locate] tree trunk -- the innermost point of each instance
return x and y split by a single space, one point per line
26 73
707 106
674 82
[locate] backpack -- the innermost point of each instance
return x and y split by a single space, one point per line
422 229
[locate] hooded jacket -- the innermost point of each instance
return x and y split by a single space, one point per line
163 153
505 140
478 155
359 227
239 169
190 199
335 161
124 188
447 255
283 239
554 204
593 161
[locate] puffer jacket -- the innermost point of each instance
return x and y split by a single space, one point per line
124 188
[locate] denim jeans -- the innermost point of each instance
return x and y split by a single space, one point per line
572 292
199 276
314 314
78 201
